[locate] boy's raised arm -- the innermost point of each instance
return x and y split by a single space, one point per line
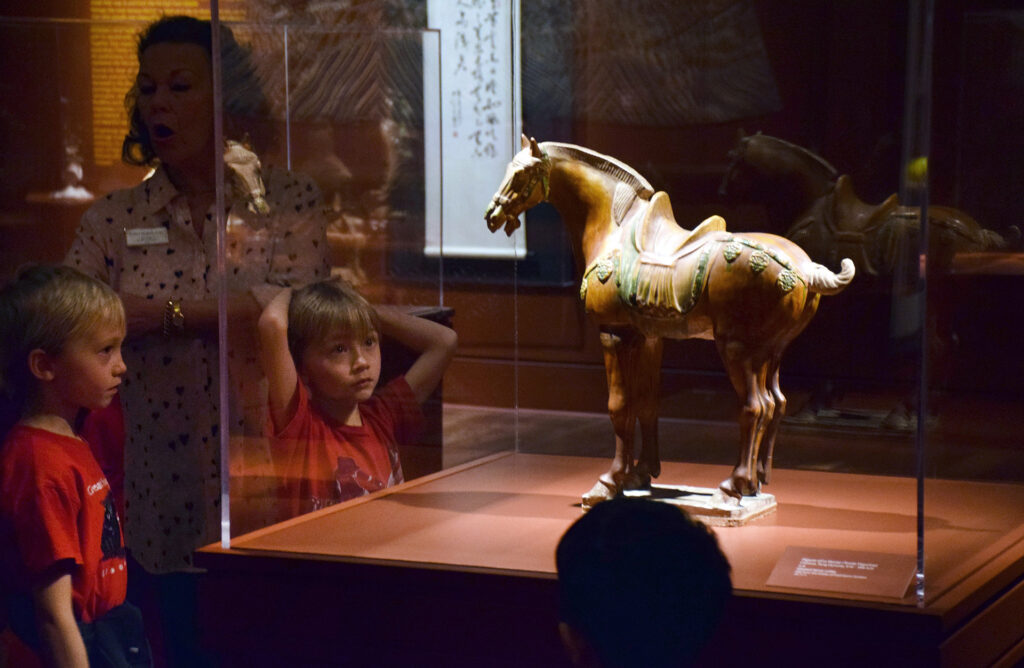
277 362
434 342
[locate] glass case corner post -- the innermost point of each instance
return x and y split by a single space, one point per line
914 192
222 289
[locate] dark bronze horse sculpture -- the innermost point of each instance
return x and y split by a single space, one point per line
811 203
644 278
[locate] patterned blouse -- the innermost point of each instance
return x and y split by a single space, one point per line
141 242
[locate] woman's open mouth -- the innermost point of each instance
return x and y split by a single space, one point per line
161 132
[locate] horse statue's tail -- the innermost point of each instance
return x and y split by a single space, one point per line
822 280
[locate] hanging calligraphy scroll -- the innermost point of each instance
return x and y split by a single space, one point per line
478 122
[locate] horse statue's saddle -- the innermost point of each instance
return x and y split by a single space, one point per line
659 266
659 239
840 225
851 214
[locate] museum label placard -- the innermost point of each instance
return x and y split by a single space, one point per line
845 571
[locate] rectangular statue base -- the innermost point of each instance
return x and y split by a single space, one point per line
710 505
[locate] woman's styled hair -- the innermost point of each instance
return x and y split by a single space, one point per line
325 308
243 95
45 307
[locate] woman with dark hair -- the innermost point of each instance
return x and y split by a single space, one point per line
156 245
242 94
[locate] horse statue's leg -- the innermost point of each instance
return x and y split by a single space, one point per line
622 350
647 390
749 376
764 455
767 448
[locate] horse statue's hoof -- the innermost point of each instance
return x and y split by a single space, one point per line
601 491
637 480
726 488
737 488
720 499
649 470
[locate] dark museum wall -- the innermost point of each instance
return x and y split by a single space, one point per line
839 71
838 89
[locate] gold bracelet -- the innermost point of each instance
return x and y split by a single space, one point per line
174 318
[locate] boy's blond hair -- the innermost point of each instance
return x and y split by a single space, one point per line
45 307
327 308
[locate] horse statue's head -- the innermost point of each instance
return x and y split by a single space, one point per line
519 190
768 161
738 161
244 175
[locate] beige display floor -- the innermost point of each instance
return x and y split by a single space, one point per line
498 520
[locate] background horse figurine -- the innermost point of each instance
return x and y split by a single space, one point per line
809 202
645 278
782 176
243 175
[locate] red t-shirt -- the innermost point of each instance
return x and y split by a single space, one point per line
55 505
103 430
321 462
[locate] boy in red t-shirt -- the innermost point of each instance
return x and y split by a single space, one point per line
62 555
333 437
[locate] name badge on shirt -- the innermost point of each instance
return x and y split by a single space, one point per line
146 236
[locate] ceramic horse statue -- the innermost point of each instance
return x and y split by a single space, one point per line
645 278
811 203
243 175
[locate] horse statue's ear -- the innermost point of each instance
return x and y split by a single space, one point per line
523 141
535 149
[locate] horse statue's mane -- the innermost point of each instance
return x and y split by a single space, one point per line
805 154
630 184
604 163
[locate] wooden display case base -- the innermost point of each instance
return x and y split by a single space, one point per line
458 569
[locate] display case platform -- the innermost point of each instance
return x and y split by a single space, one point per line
457 568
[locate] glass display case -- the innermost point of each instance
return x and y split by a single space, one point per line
895 480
